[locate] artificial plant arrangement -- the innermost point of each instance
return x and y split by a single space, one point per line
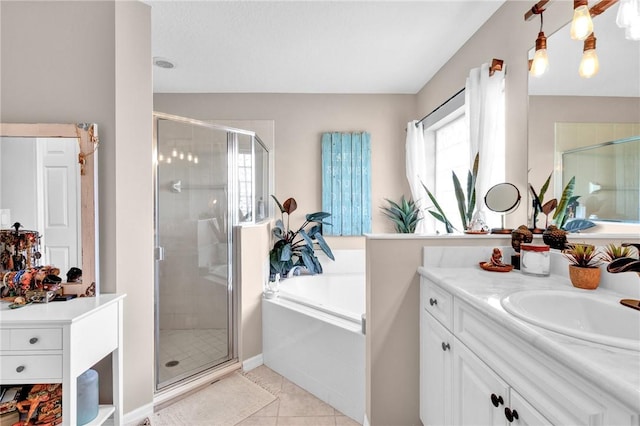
297 248
561 215
405 215
584 262
466 204
612 252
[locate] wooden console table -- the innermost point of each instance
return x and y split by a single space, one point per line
56 342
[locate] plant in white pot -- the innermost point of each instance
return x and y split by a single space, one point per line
584 271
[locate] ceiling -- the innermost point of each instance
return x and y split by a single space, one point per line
309 46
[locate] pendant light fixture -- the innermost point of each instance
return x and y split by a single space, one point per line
589 65
582 24
540 62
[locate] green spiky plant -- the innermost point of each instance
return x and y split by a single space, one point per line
583 255
405 215
612 252
297 248
438 214
560 216
466 204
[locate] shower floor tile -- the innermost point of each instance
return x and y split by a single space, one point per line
192 349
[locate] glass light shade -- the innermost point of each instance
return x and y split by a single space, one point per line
633 31
181 156
625 13
589 65
540 63
160 157
174 153
582 24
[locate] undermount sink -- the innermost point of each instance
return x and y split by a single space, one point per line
589 316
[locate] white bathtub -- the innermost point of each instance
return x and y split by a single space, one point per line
312 335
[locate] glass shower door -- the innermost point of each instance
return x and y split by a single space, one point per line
193 267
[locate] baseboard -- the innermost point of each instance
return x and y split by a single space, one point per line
251 363
137 416
366 420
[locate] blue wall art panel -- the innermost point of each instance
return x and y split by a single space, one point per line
346 182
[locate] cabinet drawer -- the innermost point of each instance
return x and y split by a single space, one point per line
438 302
30 367
31 339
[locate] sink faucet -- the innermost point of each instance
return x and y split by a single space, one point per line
627 264
293 270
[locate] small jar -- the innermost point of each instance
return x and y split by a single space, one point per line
535 260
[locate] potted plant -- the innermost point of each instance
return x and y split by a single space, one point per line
405 215
612 252
584 271
297 248
466 204
538 200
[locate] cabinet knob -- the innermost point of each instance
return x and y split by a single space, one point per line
33 340
433 302
496 400
20 369
445 346
510 414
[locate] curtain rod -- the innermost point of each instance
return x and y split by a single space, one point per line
496 65
440 106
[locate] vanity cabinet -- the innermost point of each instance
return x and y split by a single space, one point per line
473 370
56 342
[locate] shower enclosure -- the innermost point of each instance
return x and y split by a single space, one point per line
208 178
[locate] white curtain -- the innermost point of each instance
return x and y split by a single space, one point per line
484 109
416 166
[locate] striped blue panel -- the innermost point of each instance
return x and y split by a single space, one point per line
336 184
356 184
346 184
326 178
366 182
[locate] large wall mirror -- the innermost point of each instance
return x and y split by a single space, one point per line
48 186
573 119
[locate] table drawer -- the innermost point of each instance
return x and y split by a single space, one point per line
30 367
31 339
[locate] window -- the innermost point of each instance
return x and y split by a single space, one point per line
452 153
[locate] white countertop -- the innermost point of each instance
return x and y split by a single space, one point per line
60 312
615 371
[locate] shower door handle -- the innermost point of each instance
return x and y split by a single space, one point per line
159 253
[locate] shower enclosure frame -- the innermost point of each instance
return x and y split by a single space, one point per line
233 220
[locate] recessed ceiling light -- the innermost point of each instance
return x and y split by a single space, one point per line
163 63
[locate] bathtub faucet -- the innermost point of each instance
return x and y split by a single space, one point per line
293 270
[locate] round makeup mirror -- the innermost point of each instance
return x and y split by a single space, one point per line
502 198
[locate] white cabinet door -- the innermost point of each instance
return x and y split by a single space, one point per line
480 396
523 414
436 346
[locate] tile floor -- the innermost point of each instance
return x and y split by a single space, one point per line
293 407
191 348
